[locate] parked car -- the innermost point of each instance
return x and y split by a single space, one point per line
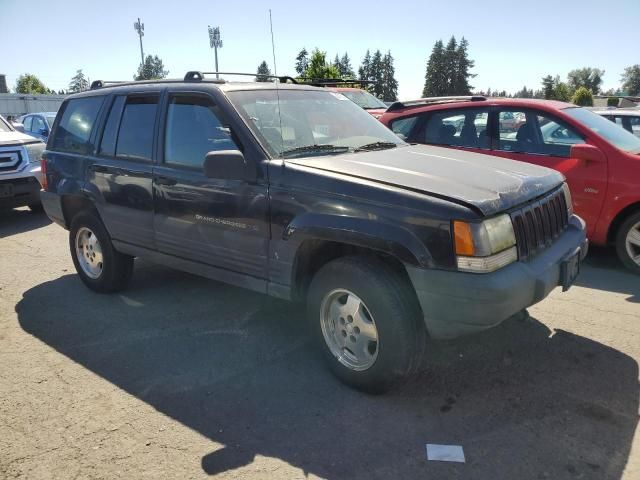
292 191
600 161
20 174
363 99
38 124
627 118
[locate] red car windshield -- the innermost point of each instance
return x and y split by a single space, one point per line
363 99
614 134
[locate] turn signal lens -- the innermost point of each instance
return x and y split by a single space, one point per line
463 239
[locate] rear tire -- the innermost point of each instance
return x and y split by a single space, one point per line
628 243
367 323
99 265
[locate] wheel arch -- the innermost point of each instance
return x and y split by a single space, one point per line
619 219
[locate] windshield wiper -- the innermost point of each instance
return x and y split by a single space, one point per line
368 147
315 149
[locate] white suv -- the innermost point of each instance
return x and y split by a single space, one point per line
20 173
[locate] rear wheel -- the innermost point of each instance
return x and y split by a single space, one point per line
99 265
628 242
368 326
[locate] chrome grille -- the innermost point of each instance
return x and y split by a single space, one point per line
10 159
538 224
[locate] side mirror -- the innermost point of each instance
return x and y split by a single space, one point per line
228 165
588 153
44 132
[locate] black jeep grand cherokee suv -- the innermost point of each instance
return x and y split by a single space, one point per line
297 192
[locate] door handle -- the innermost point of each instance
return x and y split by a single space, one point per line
162 180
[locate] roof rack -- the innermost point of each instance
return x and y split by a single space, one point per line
435 101
334 82
196 76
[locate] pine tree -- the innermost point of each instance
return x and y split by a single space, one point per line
364 72
389 82
435 84
78 83
461 74
302 61
451 64
336 63
376 74
263 69
346 70
547 87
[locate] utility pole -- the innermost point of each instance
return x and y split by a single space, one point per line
215 42
139 27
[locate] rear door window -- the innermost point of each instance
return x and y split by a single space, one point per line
110 134
135 135
74 129
460 127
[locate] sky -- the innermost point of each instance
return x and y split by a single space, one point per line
513 43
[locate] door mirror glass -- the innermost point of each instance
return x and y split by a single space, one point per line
228 165
44 132
588 153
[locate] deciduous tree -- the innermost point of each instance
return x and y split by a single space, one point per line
588 77
631 80
28 83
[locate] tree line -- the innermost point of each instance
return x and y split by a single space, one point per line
448 72
376 71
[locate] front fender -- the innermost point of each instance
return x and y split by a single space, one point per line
384 237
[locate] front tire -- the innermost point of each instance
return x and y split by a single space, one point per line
99 265
367 323
628 243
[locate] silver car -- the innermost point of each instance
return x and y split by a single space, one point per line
627 118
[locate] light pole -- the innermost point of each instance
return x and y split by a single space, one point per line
215 42
139 27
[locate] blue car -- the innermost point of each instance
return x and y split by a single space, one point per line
38 124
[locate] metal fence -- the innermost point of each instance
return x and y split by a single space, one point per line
15 104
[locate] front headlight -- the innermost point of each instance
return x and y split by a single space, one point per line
34 151
485 246
567 198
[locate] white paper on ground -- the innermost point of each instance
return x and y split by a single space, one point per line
445 453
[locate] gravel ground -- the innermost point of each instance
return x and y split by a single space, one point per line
181 377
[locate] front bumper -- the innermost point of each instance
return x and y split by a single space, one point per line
25 187
458 303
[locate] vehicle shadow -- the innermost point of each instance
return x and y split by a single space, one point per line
13 222
604 271
240 368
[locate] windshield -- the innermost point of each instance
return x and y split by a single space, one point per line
363 99
4 126
311 122
50 119
608 130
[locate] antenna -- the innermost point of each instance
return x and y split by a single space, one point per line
275 71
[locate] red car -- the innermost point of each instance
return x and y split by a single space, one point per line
600 160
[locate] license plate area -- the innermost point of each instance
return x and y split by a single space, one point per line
6 190
570 269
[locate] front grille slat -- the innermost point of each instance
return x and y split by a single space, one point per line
538 225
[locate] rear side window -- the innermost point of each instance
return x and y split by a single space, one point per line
135 135
403 126
38 124
27 123
74 129
193 129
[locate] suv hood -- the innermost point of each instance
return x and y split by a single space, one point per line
16 138
490 184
